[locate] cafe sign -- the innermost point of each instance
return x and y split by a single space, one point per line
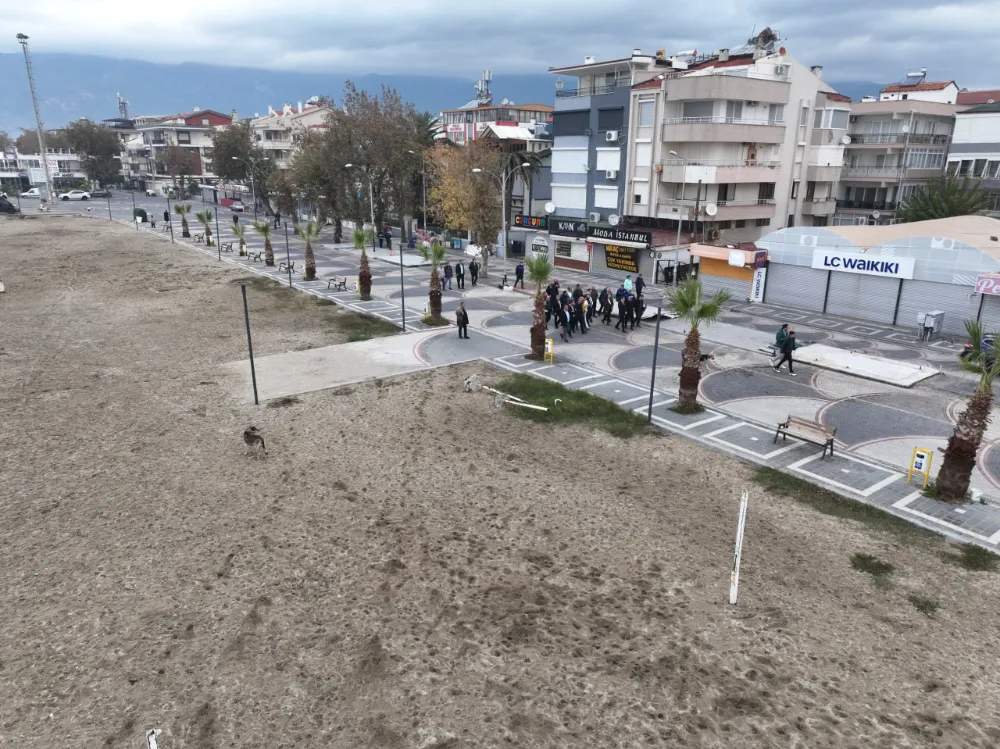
532 222
988 283
621 258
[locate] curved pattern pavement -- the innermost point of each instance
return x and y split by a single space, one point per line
858 422
643 357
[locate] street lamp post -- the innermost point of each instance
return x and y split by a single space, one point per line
503 206
251 164
680 221
423 184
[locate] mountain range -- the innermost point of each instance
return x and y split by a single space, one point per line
73 86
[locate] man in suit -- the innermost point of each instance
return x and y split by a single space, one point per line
474 271
460 274
640 284
462 318
638 307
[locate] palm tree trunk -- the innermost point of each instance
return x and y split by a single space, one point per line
268 252
365 278
435 294
538 327
960 456
687 396
185 231
310 262
338 230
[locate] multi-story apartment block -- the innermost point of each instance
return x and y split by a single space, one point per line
469 122
278 132
897 143
741 142
975 149
20 171
191 131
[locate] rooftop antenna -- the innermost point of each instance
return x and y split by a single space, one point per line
22 39
484 97
122 107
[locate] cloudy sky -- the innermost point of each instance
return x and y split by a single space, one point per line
853 39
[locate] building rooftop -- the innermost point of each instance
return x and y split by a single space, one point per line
526 107
902 88
981 232
987 96
983 108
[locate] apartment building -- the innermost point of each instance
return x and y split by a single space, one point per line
735 144
21 171
975 149
191 131
471 120
897 143
279 131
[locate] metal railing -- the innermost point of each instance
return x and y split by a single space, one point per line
721 203
866 205
731 73
722 121
889 139
885 172
719 162
593 90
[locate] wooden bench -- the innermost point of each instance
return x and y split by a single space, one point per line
227 246
338 282
807 431
257 256
283 265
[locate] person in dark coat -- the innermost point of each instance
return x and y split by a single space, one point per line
577 293
474 271
556 308
787 347
582 313
638 307
166 217
620 293
566 316
388 237
640 284
622 312
236 219
462 318
592 307
277 219
519 275
381 237
447 276
460 274
607 306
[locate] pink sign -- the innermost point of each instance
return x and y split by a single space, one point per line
988 283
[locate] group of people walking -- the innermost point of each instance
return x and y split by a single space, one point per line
458 273
575 311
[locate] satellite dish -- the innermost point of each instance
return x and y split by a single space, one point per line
613 219
906 128
550 207
876 215
711 209
846 140
559 84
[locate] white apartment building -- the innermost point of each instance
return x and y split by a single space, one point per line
278 131
975 149
19 171
191 131
897 143
743 141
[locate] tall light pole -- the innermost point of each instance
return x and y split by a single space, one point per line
680 220
251 164
423 184
503 205
22 39
371 197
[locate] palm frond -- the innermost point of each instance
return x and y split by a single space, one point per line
263 228
308 231
435 253
539 269
688 303
950 195
182 209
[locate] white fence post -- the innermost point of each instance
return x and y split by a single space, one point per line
734 577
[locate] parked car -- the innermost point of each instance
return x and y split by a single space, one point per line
75 195
6 206
100 194
987 350
237 207
34 192
150 193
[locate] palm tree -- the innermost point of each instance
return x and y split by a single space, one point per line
359 239
952 482
435 254
205 219
240 231
686 302
950 195
308 233
364 277
539 270
182 210
264 229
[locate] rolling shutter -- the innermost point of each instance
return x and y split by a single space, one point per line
738 288
795 286
957 303
863 297
990 317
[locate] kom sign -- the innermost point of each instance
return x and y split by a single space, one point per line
988 283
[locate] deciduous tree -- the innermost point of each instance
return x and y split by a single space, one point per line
99 149
179 163
236 157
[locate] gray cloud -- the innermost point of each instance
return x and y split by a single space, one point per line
853 39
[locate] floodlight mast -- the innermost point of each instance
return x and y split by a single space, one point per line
22 39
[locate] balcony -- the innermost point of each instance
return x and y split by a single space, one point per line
877 173
823 173
865 205
711 171
593 89
726 86
896 139
819 207
729 210
722 129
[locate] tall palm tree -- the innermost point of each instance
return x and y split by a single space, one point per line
949 195
182 210
365 277
539 269
952 481
240 231
686 302
205 219
264 229
435 254
308 232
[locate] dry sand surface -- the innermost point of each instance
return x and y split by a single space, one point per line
408 567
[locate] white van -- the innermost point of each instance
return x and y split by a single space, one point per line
34 192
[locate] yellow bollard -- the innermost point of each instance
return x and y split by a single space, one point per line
550 351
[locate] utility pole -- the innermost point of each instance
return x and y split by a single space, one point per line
22 39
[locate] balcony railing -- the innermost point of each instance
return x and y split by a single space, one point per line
891 139
721 203
881 172
719 162
865 205
722 121
732 73
593 90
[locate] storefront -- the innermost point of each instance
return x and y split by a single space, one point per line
620 250
568 241
888 275
741 272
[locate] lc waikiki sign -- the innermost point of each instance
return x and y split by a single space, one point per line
869 265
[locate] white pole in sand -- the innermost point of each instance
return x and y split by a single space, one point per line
734 577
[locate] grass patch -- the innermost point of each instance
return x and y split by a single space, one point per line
829 503
576 407
926 606
358 327
687 410
288 400
875 567
440 322
974 558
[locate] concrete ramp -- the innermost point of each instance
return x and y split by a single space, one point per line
899 373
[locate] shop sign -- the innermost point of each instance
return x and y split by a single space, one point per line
868 265
539 245
615 234
760 259
532 222
567 227
621 258
988 283
757 285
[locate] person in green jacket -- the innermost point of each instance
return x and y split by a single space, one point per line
779 339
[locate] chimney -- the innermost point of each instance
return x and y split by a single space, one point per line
723 54
236 117
817 70
637 52
589 60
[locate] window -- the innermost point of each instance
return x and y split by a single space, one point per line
795 189
832 119
776 113
791 221
612 119
740 223
924 158
720 225
726 193
804 117
979 168
992 170
204 121
183 137
570 123
734 111
811 190
764 222
697 109
641 193
564 249
646 107
765 191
